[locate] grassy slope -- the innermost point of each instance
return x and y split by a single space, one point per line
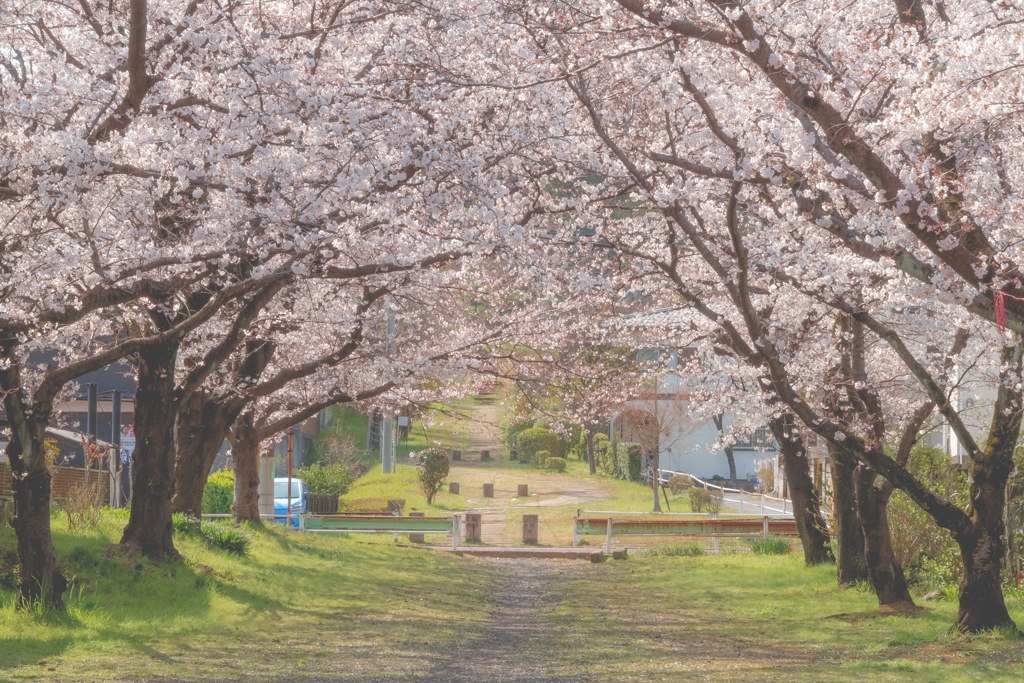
298 604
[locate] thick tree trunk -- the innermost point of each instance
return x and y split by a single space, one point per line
810 523
246 448
851 565
731 460
203 425
982 605
884 570
150 531
41 580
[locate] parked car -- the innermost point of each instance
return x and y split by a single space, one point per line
298 500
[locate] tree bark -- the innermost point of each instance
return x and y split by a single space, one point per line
982 605
590 450
884 570
655 466
810 523
40 578
851 565
150 530
203 425
245 445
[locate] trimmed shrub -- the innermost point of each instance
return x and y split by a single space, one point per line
432 470
329 480
510 431
219 493
535 439
541 457
705 500
677 483
228 538
773 545
555 464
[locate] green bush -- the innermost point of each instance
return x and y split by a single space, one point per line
555 464
772 545
510 432
678 483
705 500
535 439
619 459
432 471
231 539
325 480
219 493
929 555
541 457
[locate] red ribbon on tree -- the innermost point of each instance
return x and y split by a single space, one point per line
999 300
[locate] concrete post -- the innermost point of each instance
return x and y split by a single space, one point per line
474 527
453 487
531 524
488 490
266 486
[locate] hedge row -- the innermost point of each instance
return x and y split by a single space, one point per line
619 459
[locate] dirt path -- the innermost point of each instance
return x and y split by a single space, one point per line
511 645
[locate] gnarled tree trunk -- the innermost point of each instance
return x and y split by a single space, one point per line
203 425
150 530
851 565
884 570
810 523
982 604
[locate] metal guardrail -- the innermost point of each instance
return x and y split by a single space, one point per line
609 523
373 524
742 500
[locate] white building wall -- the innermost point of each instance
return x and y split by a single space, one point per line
692 449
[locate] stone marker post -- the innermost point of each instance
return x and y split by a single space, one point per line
524 490
531 524
453 487
488 490
474 527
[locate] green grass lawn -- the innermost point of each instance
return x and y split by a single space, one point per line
741 617
298 604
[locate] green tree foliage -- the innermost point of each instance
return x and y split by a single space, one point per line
219 493
928 554
432 470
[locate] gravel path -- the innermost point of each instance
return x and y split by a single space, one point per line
514 644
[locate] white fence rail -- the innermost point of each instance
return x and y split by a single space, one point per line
738 499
